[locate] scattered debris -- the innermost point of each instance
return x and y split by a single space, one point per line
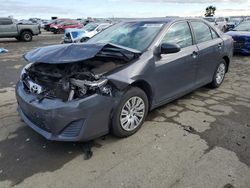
228 186
157 147
157 135
2 50
189 129
87 150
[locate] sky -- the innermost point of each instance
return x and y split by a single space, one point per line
24 9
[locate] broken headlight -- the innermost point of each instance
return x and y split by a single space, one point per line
24 70
81 88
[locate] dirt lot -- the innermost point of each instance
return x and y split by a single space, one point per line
200 140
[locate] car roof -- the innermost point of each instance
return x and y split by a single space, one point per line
162 20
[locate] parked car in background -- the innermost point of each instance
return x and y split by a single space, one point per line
54 22
84 33
24 32
78 92
45 22
60 28
219 22
233 22
241 36
26 22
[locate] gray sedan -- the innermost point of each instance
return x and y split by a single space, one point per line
78 92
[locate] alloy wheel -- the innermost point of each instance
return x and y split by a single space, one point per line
132 113
220 74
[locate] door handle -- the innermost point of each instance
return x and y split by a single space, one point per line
220 46
195 54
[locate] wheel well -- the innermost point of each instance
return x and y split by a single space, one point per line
146 88
227 60
26 30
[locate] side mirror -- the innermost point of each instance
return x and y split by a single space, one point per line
168 48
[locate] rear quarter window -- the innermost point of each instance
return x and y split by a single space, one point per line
214 34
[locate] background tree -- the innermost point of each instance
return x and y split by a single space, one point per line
210 11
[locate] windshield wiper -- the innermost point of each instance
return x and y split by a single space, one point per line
119 52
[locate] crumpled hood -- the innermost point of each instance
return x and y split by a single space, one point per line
68 53
239 33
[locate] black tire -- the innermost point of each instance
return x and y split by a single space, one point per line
60 31
116 128
26 36
224 29
84 39
215 84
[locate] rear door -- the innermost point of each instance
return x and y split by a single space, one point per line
175 73
7 28
210 47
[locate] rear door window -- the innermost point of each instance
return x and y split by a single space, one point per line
202 31
5 21
180 34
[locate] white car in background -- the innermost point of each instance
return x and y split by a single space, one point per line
84 33
219 22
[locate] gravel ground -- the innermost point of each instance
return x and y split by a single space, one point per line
200 140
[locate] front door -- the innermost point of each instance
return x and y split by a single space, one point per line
175 73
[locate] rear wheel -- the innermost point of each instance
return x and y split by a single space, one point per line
18 38
224 29
130 113
219 75
26 36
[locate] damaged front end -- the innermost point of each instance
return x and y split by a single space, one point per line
65 87
66 81
72 78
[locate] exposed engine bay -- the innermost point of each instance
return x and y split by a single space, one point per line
73 71
69 81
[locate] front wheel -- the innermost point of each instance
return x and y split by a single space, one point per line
219 75
60 31
130 113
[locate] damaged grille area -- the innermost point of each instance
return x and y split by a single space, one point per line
69 81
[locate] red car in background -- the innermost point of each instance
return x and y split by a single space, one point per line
53 22
60 27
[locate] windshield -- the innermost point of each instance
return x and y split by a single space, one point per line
136 35
209 19
245 26
90 27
